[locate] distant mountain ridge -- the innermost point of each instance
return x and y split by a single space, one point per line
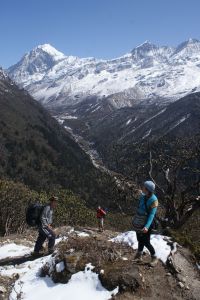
159 73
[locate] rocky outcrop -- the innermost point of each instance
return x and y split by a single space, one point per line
107 258
122 274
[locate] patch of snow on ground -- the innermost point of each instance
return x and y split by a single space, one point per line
60 239
60 267
183 119
143 123
146 134
60 121
13 250
97 108
158 241
83 285
82 234
129 121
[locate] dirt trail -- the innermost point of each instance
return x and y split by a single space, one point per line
160 284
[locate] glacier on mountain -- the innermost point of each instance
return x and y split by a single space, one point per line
156 73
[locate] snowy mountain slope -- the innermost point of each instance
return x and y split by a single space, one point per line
35 64
147 72
3 75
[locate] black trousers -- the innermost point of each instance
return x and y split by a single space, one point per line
45 233
144 241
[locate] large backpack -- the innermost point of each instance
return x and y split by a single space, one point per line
33 214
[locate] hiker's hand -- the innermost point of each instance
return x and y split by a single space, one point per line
145 230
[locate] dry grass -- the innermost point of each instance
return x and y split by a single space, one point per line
94 250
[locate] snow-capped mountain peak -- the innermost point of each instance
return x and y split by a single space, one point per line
35 64
50 50
145 49
189 47
146 45
149 71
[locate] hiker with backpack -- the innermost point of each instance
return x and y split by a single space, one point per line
45 227
100 217
144 221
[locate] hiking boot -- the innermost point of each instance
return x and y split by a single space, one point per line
138 257
154 261
35 254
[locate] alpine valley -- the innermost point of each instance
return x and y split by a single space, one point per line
146 94
136 116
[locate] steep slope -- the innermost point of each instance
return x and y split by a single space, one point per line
36 63
134 125
161 74
124 138
36 150
106 126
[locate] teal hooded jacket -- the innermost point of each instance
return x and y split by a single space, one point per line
152 205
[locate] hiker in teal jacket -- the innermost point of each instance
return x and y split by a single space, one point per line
149 209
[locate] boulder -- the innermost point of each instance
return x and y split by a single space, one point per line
71 264
122 274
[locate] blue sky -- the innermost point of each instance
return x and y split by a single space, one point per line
99 28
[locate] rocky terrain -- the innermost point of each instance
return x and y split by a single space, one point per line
90 265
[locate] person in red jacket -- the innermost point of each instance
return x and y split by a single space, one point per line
100 217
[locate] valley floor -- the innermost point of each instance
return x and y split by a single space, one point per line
116 277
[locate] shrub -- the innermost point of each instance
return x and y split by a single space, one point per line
72 210
14 198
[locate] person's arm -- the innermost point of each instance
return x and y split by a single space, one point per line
103 212
151 217
45 217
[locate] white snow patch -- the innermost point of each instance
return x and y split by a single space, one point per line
129 121
143 123
82 285
13 250
60 121
147 134
60 267
183 119
82 234
30 286
97 108
60 239
159 242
